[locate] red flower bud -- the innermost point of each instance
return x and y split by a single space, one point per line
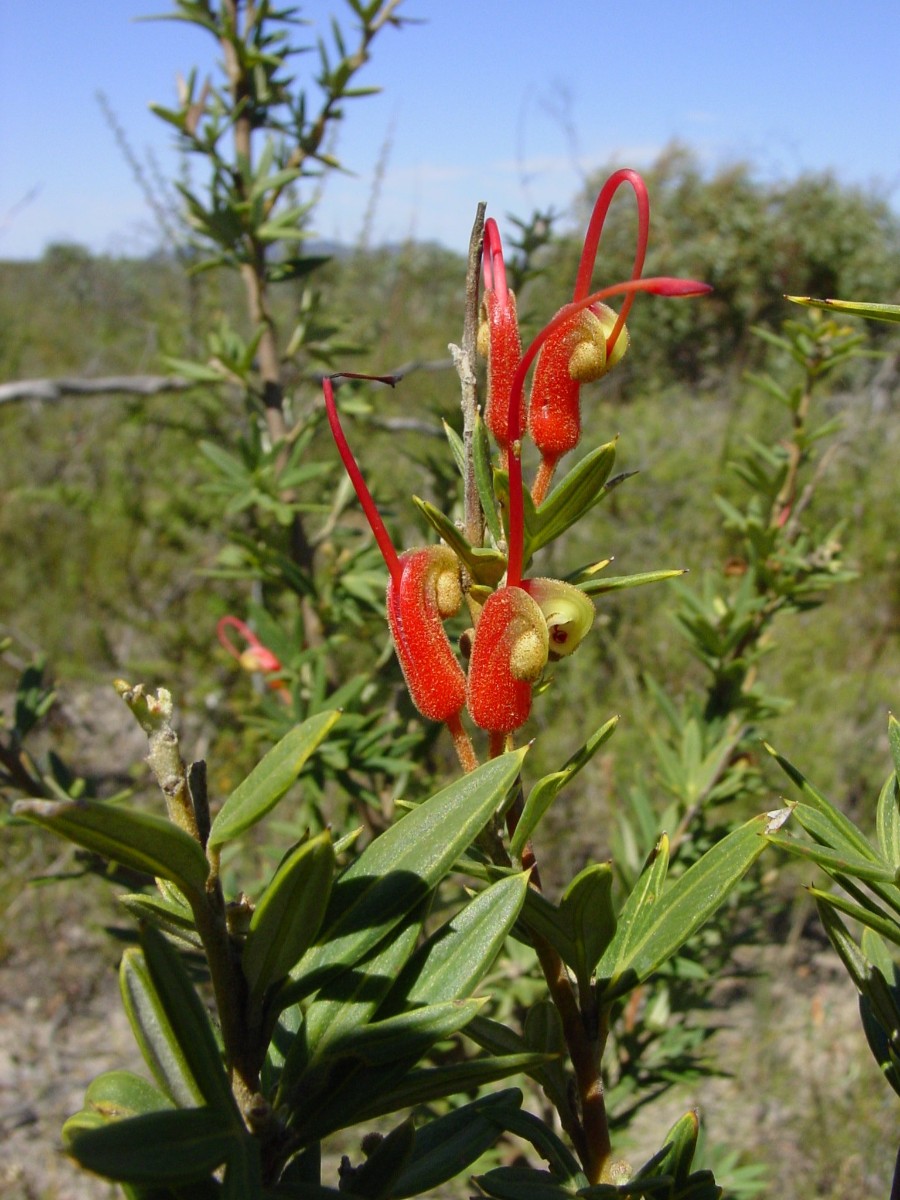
498 335
509 652
419 598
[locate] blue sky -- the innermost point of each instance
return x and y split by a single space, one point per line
510 101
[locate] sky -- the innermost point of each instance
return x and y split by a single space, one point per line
509 101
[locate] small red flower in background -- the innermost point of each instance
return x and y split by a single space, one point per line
254 656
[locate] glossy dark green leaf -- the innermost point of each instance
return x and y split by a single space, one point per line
117 1094
587 909
407 1035
427 1084
684 906
451 963
270 779
401 866
574 495
350 999
153 1032
188 1021
289 914
548 788
170 1147
445 1148
142 841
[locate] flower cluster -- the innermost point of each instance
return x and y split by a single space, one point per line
520 624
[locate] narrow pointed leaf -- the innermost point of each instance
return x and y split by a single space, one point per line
562 1162
887 821
547 789
270 779
636 911
188 1021
456 956
684 906
842 825
153 1032
852 308
871 919
408 1035
401 866
587 908
603 584
848 951
677 1154
574 495
287 918
170 1147
374 1179
445 1148
894 740
835 862
142 841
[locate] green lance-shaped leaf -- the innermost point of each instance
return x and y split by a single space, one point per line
887 820
844 833
142 841
401 866
189 1021
445 1148
852 308
587 908
684 906
637 911
350 999
838 934
153 1032
171 1147
601 585
868 914
573 496
287 918
270 779
547 789
894 740
835 862
427 1084
456 956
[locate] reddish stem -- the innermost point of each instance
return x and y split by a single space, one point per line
657 285
373 516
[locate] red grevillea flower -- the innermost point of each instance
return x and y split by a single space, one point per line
498 335
254 656
509 652
423 590
584 346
